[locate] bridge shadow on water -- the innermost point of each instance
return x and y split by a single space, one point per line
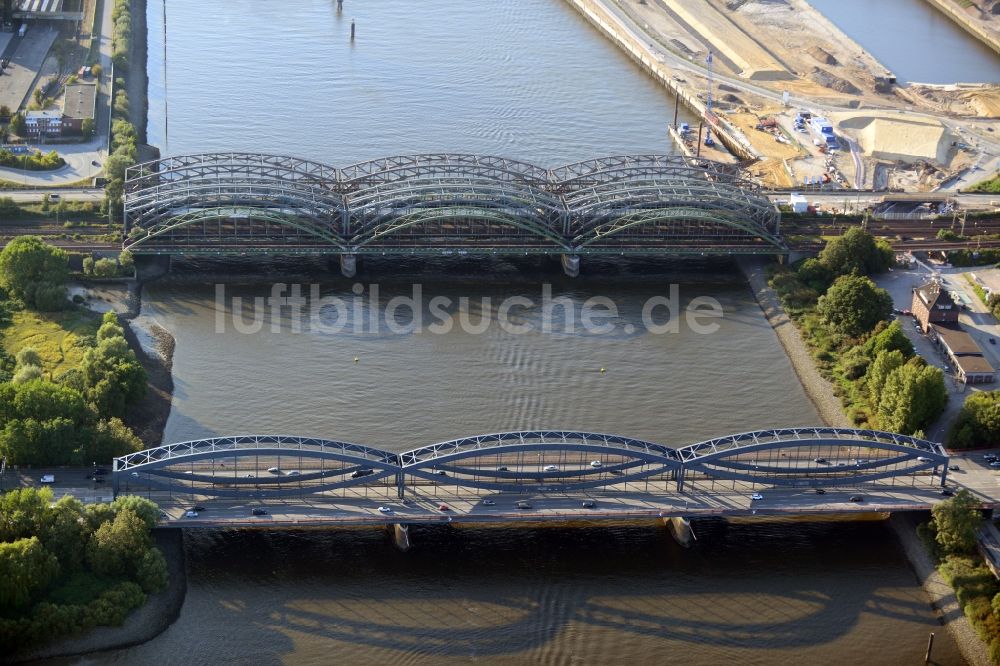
493 592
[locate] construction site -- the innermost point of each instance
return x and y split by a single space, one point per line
785 92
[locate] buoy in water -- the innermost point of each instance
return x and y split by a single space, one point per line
602 371
356 359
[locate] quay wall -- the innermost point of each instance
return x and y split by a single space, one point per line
597 15
952 10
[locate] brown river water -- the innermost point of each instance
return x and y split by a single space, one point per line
529 80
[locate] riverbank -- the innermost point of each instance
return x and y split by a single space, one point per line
153 345
817 388
941 594
144 623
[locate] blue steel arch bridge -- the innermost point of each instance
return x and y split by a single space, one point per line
263 468
246 203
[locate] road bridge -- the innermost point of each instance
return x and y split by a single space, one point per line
248 203
540 475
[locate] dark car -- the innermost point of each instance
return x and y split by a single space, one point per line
199 509
358 473
820 491
258 512
857 498
993 341
947 492
502 469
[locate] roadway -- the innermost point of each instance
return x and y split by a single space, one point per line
359 505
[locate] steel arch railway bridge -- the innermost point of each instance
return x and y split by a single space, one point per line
248 203
268 467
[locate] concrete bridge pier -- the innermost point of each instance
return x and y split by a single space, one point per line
151 266
571 264
401 536
348 265
680 529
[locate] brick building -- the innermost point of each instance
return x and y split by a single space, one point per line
933 305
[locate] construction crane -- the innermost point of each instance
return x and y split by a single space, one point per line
709 115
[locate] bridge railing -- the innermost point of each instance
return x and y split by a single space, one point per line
527 461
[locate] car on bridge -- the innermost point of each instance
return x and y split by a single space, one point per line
384 509
857 498
588 504
756 496
523 504
358 473
257 511
488 502
550 468
190 514
596 464
48 478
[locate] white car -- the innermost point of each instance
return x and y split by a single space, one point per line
550 468
190 514
273 470
488 502
756 496
48 478
596 464
384 509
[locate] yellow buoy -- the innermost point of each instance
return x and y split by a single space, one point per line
356 359
602 370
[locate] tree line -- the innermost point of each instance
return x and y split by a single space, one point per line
847 320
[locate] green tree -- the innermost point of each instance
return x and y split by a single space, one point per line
88 265
853 305
856 251
28 356
151 572
978 424
142 507
25 569
28 262
107 440
67 533
116 548
17 125
888 338
878 372
32 442
24 512
912 398
41 400
956 521
27 373
105 267
815 274
87 128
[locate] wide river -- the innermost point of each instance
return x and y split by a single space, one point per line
530 80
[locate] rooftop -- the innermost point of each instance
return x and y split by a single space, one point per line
80 100
933 296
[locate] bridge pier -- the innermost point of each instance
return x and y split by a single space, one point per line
348 265
151 266
401 536
571 264
680 530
